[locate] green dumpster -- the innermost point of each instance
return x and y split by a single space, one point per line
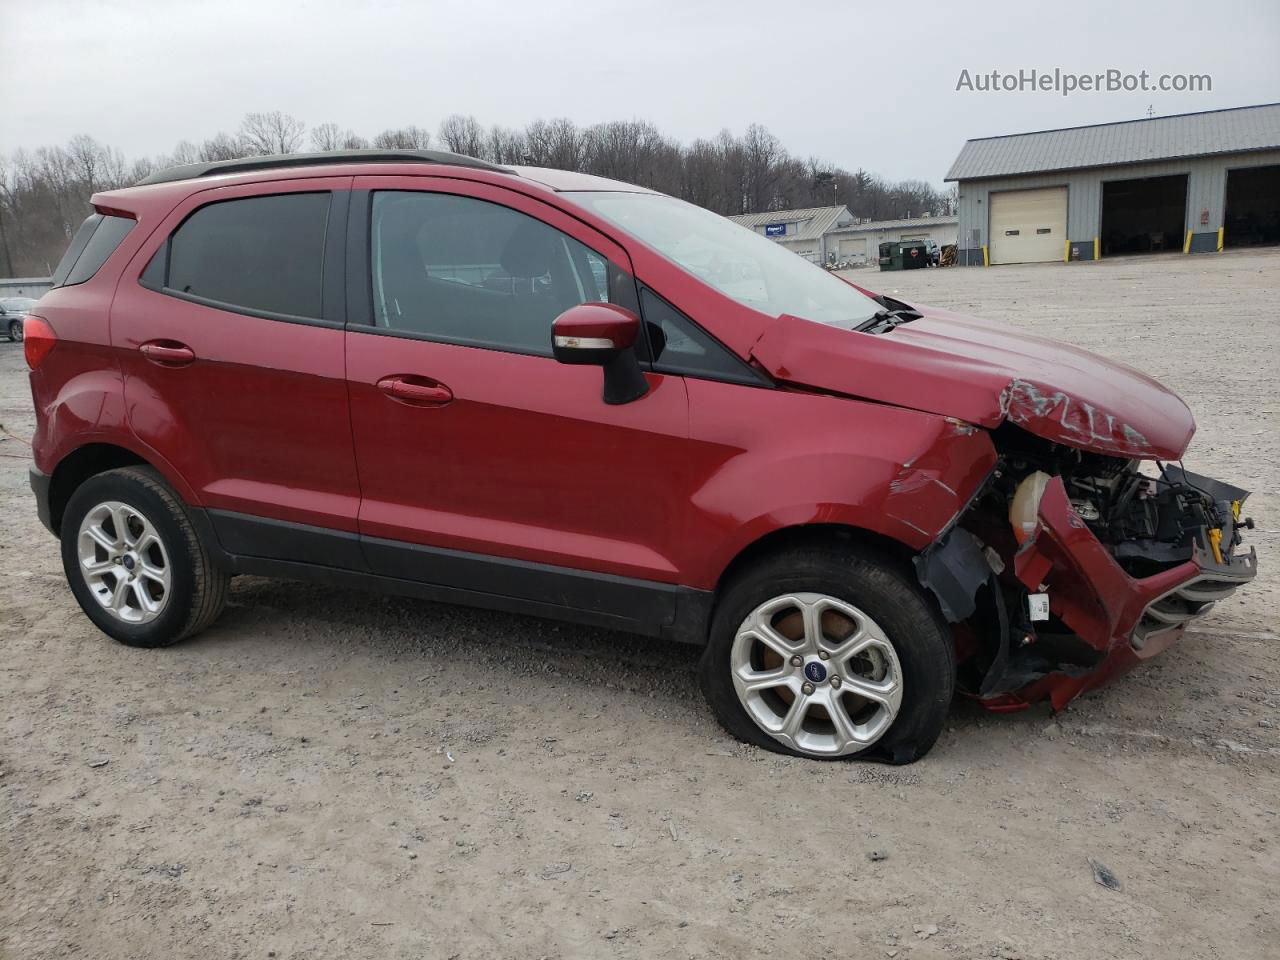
904 254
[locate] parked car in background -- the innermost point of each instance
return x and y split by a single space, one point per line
12 310
550 393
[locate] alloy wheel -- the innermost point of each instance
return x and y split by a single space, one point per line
816 674
124 562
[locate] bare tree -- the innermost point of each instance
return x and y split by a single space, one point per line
8 207
140 169
85 156
223 146
462 135
184 152
44 192
403 138
762 156
504 145
555 143
328 136
273 132
734 175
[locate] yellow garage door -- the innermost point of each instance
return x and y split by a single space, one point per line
1028 226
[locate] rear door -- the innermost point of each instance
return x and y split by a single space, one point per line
231 345
472 442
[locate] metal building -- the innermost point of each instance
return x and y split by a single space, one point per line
860 242
833 234
800 231
33 287
1190 183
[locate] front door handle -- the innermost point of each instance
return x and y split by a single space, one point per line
418 391
168 353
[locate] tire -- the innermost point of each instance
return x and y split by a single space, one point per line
15 331
908 660
171 590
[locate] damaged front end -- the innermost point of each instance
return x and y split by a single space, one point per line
1069 567
1083 552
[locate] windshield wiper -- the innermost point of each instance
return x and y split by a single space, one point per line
892 313
885 320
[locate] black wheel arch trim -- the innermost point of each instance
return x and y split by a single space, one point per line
40 484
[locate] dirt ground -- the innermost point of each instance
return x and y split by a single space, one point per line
332 774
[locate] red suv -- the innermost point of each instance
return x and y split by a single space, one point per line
549 393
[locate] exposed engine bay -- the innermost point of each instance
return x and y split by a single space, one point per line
1065 555
1148 521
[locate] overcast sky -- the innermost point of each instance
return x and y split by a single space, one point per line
869 85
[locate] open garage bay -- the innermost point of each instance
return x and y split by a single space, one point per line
1144 216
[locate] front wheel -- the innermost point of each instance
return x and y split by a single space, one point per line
134 561
829 654
15 331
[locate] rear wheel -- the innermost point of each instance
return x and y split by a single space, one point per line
829 654
135 562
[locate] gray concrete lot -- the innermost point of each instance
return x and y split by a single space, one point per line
333 774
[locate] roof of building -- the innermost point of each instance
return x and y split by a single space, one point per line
1236 130
898 224
821 220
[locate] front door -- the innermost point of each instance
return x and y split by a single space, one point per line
472 443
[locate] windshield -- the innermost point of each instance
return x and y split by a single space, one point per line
738 262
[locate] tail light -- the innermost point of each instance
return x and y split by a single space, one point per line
38 339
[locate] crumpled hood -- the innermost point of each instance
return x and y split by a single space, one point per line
986 373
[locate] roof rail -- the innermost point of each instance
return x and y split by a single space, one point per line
190 171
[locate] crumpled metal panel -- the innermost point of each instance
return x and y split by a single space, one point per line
986 373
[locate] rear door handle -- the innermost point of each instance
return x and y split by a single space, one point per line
419 392
168 353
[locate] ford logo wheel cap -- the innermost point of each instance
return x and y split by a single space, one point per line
815 671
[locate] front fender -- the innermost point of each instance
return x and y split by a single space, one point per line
813 459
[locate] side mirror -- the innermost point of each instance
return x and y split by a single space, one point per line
603 335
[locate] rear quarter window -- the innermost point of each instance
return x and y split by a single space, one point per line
92 244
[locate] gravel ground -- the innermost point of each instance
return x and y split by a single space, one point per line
332 774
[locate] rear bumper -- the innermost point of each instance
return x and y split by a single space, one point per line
1122 619
40 487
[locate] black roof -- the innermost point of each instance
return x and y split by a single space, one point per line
190 171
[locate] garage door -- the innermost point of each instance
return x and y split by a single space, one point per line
1028 226
853 249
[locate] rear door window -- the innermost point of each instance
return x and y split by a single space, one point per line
257 255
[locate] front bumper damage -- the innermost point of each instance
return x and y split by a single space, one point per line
1104 620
